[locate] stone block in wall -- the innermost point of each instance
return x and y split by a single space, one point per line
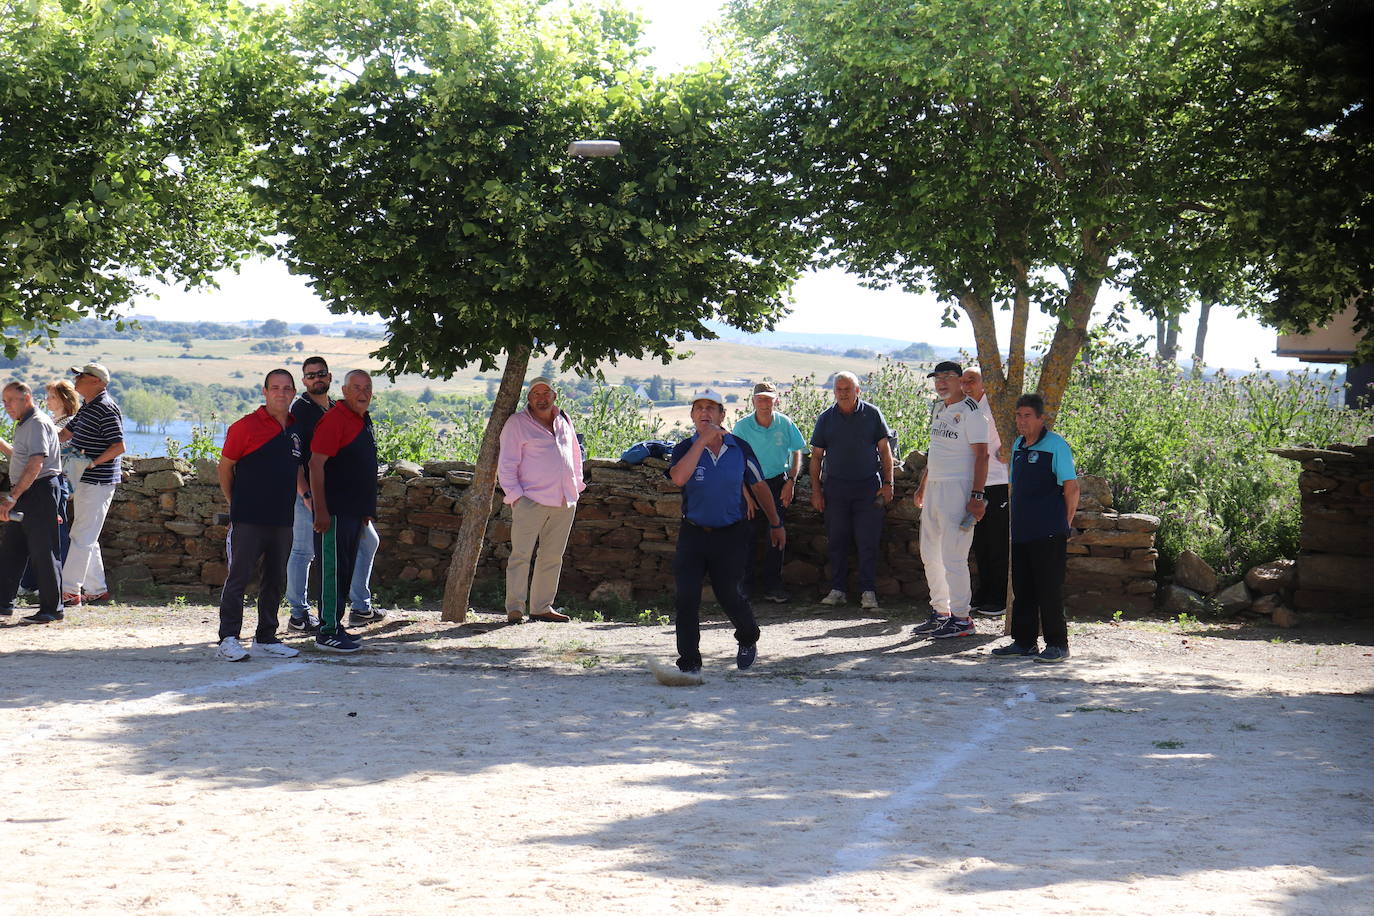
214 573
799 572
156 465
205 549
1094 520
1105 602
1194 573
158 481
669 505
1123 567
1107 551
1334 573
206 471
1271 578
1330 537
1141 587
440 468
1137 521
622 537
620 589
1094 492
1106 537
132 511
163 560
1076 550
184 528
391 489
441 520
129 576
440 540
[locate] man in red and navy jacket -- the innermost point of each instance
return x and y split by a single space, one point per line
259 470
343 488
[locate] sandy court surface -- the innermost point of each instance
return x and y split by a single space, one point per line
539 769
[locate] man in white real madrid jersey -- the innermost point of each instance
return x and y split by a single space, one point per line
951 490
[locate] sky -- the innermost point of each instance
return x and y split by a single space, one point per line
825 302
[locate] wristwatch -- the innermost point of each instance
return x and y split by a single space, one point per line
978 495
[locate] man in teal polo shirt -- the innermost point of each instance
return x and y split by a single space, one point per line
777 443
1044 498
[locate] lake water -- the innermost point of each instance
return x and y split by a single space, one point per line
155 443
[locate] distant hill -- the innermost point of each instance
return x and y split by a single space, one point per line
828 343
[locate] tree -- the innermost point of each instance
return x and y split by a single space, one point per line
549 369
273 327
125 133
916 352
1008 156
419 172
310 329
148 409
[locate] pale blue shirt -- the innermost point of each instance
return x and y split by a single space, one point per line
774 444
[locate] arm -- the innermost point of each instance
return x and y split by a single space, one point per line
26 479
886 489
508 463
789 486
6 447
682 471
226 478
1070 500
980 478
317 492
114 451
817 495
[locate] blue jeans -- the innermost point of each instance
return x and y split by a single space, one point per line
303 552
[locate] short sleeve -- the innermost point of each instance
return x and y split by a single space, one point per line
881 430
795 442
818 435
235 441
328 437
678 451
978 426
1063 462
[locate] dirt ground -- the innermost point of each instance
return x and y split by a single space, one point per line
488 768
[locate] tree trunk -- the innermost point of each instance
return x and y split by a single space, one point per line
1069 337
1166 339
467 547
1204 312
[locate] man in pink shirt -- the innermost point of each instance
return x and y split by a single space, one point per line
540 470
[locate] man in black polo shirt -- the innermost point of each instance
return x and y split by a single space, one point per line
259 473
343 488
35 490
851 442
310 405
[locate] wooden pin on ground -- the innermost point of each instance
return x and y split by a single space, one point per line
669 676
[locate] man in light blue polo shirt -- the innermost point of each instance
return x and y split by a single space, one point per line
713 468
777 442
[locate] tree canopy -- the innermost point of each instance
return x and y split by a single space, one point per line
1013 155
419 171
124 151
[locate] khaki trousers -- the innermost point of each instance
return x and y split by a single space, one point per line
547 526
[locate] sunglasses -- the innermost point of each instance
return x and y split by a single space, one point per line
323 373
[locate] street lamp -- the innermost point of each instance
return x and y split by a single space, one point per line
592 149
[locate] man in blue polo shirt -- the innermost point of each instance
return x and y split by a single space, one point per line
259 473
851 440
1044 498
713 468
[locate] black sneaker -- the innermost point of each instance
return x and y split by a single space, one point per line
6 611
953 627
340 642
692 669
1014 650
307 624
933 623
1052 654
43 617
746 655
990 610
370 615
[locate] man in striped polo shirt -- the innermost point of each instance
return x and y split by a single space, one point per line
97 432
259 473
343 489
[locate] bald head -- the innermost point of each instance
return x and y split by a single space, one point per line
971 382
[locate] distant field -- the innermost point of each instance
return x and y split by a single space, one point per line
713 363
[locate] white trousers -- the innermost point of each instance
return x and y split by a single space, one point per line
945 547
548 526
85 567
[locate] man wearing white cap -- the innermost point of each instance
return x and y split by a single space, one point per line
97 433
713 467
540 470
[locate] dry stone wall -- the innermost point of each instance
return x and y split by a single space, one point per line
1335 568
162 533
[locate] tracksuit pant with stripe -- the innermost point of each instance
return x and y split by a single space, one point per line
337 553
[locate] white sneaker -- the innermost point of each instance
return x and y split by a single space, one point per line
835 597
231 650
869 601
276 649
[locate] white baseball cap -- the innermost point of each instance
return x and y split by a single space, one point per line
708 394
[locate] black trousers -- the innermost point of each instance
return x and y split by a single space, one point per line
337 553
853 512
1037 572
247 544
762 578
718 553
34 542
990 549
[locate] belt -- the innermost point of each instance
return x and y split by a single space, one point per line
686 521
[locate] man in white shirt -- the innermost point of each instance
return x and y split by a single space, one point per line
990 538
951 492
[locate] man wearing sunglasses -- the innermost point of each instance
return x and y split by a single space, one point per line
307 409
97 432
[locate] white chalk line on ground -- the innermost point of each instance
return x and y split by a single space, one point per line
870 841
69 718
